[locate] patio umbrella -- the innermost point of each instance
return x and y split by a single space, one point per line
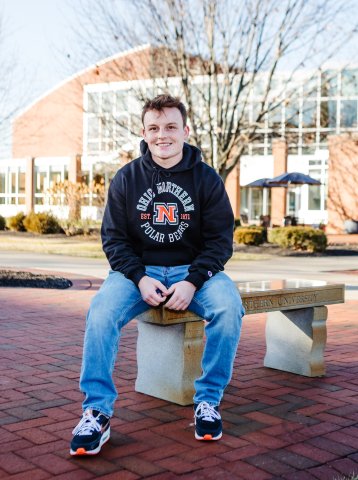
292 178
264 183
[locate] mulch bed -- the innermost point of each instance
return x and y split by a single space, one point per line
11 278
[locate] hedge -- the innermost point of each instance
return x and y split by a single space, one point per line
2 223
299 238
16 223
42 223
249 235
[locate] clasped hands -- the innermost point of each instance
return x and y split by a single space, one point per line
154 293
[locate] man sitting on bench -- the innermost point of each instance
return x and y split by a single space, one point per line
167 232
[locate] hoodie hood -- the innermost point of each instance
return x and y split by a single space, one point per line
191 158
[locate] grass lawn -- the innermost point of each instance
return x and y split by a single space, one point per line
78 246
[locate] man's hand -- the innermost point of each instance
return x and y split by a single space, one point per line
182 294
153 291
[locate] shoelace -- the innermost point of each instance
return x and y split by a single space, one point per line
207 412
86 425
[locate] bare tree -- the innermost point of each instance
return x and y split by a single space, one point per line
13 84
222 53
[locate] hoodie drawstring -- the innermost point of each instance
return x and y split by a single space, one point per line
157 176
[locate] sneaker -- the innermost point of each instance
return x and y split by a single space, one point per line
208 424
90 434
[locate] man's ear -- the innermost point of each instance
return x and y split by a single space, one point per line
143 133
186 131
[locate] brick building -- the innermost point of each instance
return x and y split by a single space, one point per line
88 126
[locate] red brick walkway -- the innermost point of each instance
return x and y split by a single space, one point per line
276 425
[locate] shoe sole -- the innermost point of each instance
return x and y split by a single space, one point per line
208 437
82 451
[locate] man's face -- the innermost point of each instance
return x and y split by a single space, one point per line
165 134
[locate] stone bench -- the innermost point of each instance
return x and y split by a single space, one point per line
170 344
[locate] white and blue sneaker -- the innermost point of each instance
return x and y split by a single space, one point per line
208 424
90 434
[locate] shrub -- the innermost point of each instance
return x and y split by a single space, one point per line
2 223
249 235
299 238
237 222
42 223
84 226
16 222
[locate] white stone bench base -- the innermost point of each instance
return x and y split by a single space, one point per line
170 344
295 341
169 360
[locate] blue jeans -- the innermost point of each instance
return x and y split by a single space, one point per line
118 301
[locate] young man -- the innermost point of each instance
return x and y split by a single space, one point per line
167 232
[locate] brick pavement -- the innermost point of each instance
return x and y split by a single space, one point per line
276 425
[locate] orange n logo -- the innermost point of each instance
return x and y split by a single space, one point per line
165 213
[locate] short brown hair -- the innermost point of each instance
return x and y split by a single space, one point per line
165 101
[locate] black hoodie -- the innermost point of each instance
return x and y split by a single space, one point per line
168 217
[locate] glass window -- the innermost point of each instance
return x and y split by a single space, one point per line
314 197
22 182
93 146
293 149
256 203
85 177
314 191
306 149
349 82
134 103
93 102
292 200
309 114
55 177
328 114
93 126
310 87
257 116
122 127
13 182
258 150
122 101
2 182
308 140
107 102
292 138
107 127
244 201
329 87
348 113
291 115
40 178
275 117
107 145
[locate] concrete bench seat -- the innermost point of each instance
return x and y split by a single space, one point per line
170 344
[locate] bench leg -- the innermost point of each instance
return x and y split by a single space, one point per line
169 360
295 341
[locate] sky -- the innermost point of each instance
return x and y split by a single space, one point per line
40 40
36 39
38 34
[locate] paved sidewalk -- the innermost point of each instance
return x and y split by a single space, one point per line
276 425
